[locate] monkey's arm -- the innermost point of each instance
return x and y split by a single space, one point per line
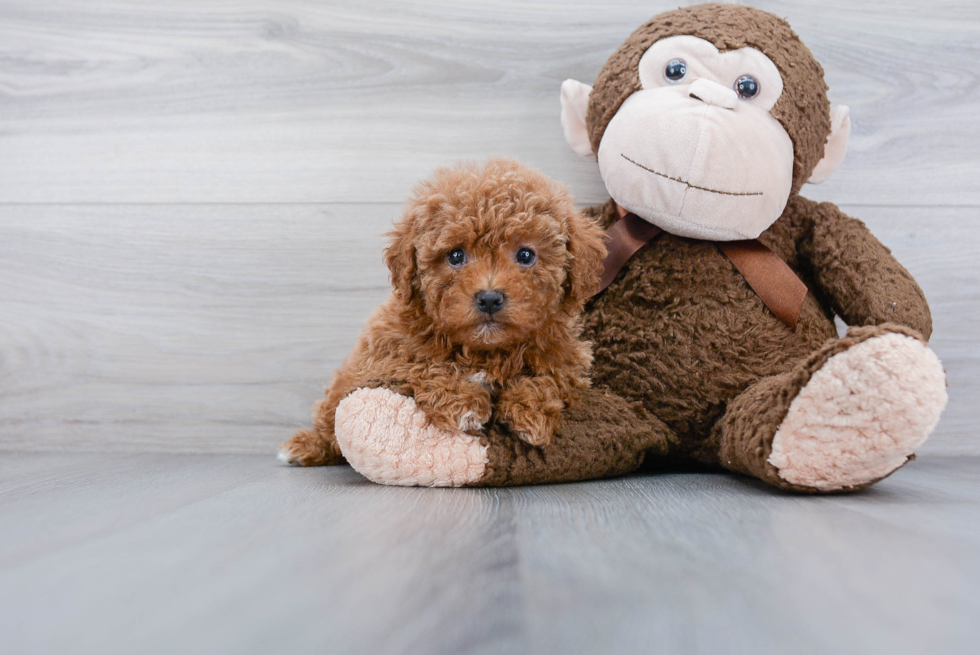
862 281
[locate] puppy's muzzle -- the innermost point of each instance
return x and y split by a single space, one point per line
490 302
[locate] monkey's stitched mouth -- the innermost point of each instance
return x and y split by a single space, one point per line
693 186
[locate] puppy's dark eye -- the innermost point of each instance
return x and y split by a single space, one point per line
675 70
456 257
747 87
525 257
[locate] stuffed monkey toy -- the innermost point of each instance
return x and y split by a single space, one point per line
714 337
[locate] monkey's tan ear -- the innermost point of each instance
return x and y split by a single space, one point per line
836 147
574 104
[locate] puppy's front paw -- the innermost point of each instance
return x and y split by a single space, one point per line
531 408
476 414
534 427
455 405
458 415
470 422
535 430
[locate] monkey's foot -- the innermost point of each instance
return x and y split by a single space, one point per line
861 415
387 439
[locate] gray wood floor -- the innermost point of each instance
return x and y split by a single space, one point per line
154 553
192 198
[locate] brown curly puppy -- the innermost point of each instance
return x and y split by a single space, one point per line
491 266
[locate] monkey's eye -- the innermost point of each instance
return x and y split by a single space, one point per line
676 70
456 257
525 257
747 87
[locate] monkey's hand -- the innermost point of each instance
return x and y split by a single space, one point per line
455 404
531 407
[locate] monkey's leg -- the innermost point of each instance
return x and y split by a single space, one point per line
599 437
848 416
387 439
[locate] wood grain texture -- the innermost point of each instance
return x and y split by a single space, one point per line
125 327
214 328
192 195
238 554
308 101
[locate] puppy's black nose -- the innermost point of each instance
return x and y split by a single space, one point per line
490 302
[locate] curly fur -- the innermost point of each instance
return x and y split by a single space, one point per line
522 365
691 367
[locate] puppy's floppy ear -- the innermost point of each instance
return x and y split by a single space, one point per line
586 245
400 256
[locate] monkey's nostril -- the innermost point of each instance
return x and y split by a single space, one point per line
712 93
490 302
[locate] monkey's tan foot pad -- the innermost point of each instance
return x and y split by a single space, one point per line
861 415
386 438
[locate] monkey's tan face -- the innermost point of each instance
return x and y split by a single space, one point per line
696 151
490 282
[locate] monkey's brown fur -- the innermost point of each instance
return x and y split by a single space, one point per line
430 342
689 363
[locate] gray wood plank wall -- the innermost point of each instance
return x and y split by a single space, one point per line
192 195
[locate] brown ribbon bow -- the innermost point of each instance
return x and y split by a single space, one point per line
769 276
